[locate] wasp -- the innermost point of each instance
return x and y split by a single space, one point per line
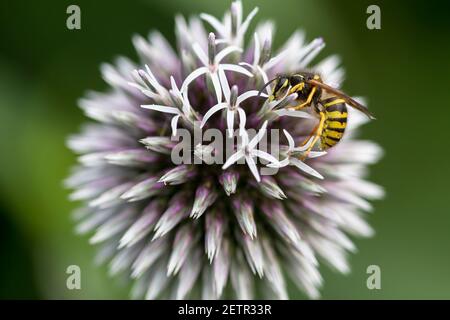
330 110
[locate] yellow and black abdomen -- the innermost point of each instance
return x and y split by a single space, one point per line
335 121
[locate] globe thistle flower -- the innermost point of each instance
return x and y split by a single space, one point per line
210 229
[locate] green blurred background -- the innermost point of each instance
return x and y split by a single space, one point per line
403 69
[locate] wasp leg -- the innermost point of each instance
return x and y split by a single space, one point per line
308 101
317 134
297 87
309 135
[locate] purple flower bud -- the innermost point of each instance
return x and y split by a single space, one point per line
204 197
229 180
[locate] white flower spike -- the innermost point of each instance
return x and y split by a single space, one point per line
232 29
182 109
295 161
232 106
248 150
212 65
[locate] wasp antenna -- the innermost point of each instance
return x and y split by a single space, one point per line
265 85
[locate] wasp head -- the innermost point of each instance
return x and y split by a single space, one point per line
281 88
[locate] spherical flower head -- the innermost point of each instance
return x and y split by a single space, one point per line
242 209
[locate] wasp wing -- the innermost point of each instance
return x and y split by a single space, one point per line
351 102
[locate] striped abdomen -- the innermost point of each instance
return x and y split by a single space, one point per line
335 121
